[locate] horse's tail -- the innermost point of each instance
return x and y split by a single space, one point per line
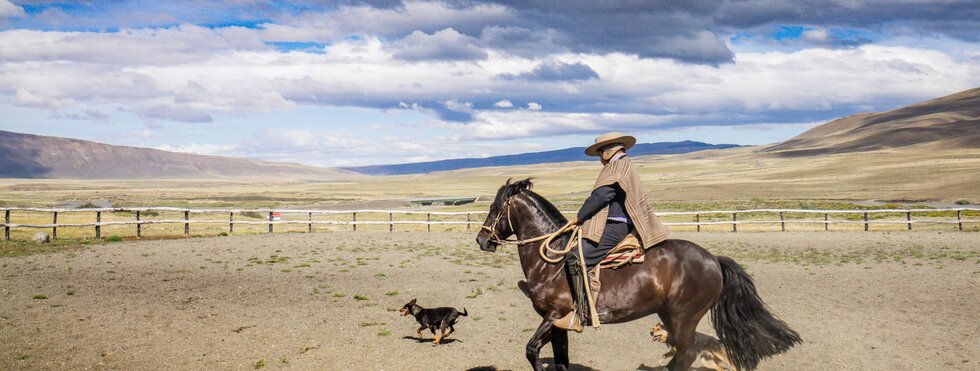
744 325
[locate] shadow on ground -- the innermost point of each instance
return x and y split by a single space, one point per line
549 362
429 340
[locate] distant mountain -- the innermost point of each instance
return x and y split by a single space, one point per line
948 122
36 156
561 155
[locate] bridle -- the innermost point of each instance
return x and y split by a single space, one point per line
492 229
545 248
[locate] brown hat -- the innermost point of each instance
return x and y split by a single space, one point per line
610 138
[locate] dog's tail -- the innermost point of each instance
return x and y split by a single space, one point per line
464 314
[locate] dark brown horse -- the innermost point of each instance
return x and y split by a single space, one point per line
678 280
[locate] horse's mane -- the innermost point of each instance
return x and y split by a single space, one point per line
511 189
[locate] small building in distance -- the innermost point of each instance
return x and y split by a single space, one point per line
448 201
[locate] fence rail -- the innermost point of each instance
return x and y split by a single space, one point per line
353 222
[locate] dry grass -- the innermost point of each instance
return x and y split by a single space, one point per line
737 174
709 180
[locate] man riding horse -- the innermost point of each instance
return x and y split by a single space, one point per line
616 208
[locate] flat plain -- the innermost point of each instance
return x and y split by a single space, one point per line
910 174
885 299
878 300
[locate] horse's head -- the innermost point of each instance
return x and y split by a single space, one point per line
498 226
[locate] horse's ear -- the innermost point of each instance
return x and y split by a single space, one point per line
528 183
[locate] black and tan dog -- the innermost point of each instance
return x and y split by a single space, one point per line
435 318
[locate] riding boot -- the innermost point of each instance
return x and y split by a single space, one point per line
574 269
572 321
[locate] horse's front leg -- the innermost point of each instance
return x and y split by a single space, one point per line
559 346
541 337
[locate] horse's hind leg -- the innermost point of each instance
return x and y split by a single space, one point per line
685 352
681 328
541 337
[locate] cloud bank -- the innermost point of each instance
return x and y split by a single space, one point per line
500 71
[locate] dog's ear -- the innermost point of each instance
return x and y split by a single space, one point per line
412 302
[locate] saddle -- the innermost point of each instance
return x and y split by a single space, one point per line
628 251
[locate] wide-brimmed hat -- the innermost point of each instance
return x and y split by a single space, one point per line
610 138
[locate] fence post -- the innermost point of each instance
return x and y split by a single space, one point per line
697 218
865 222
428 220
231 222
139 226
98 228
311 223
270 222
467 222
782 222
734 219
54 230
6 225
826 217
908 217
354 221
391 226
958 220
187 224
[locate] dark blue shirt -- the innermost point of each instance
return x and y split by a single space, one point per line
611 195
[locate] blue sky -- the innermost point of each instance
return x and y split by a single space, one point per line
359 83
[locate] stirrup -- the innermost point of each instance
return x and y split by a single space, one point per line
569 322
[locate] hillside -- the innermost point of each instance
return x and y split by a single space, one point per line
950 122
35 156
561 155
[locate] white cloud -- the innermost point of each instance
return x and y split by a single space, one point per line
9 9
153 46
503 104
505 125
26 98
335 149
447 44
815 36
173 113
424 16
454 105
77 70
198 149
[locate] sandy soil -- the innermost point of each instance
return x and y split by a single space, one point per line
329 301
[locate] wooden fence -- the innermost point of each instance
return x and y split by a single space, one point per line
470 220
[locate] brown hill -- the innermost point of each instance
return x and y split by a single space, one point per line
950 122
35 156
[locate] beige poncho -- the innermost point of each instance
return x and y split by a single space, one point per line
649 230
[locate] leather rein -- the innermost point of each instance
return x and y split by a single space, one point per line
545 247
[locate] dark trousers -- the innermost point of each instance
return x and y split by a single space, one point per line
612 235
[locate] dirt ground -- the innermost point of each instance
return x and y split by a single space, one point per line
879 301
